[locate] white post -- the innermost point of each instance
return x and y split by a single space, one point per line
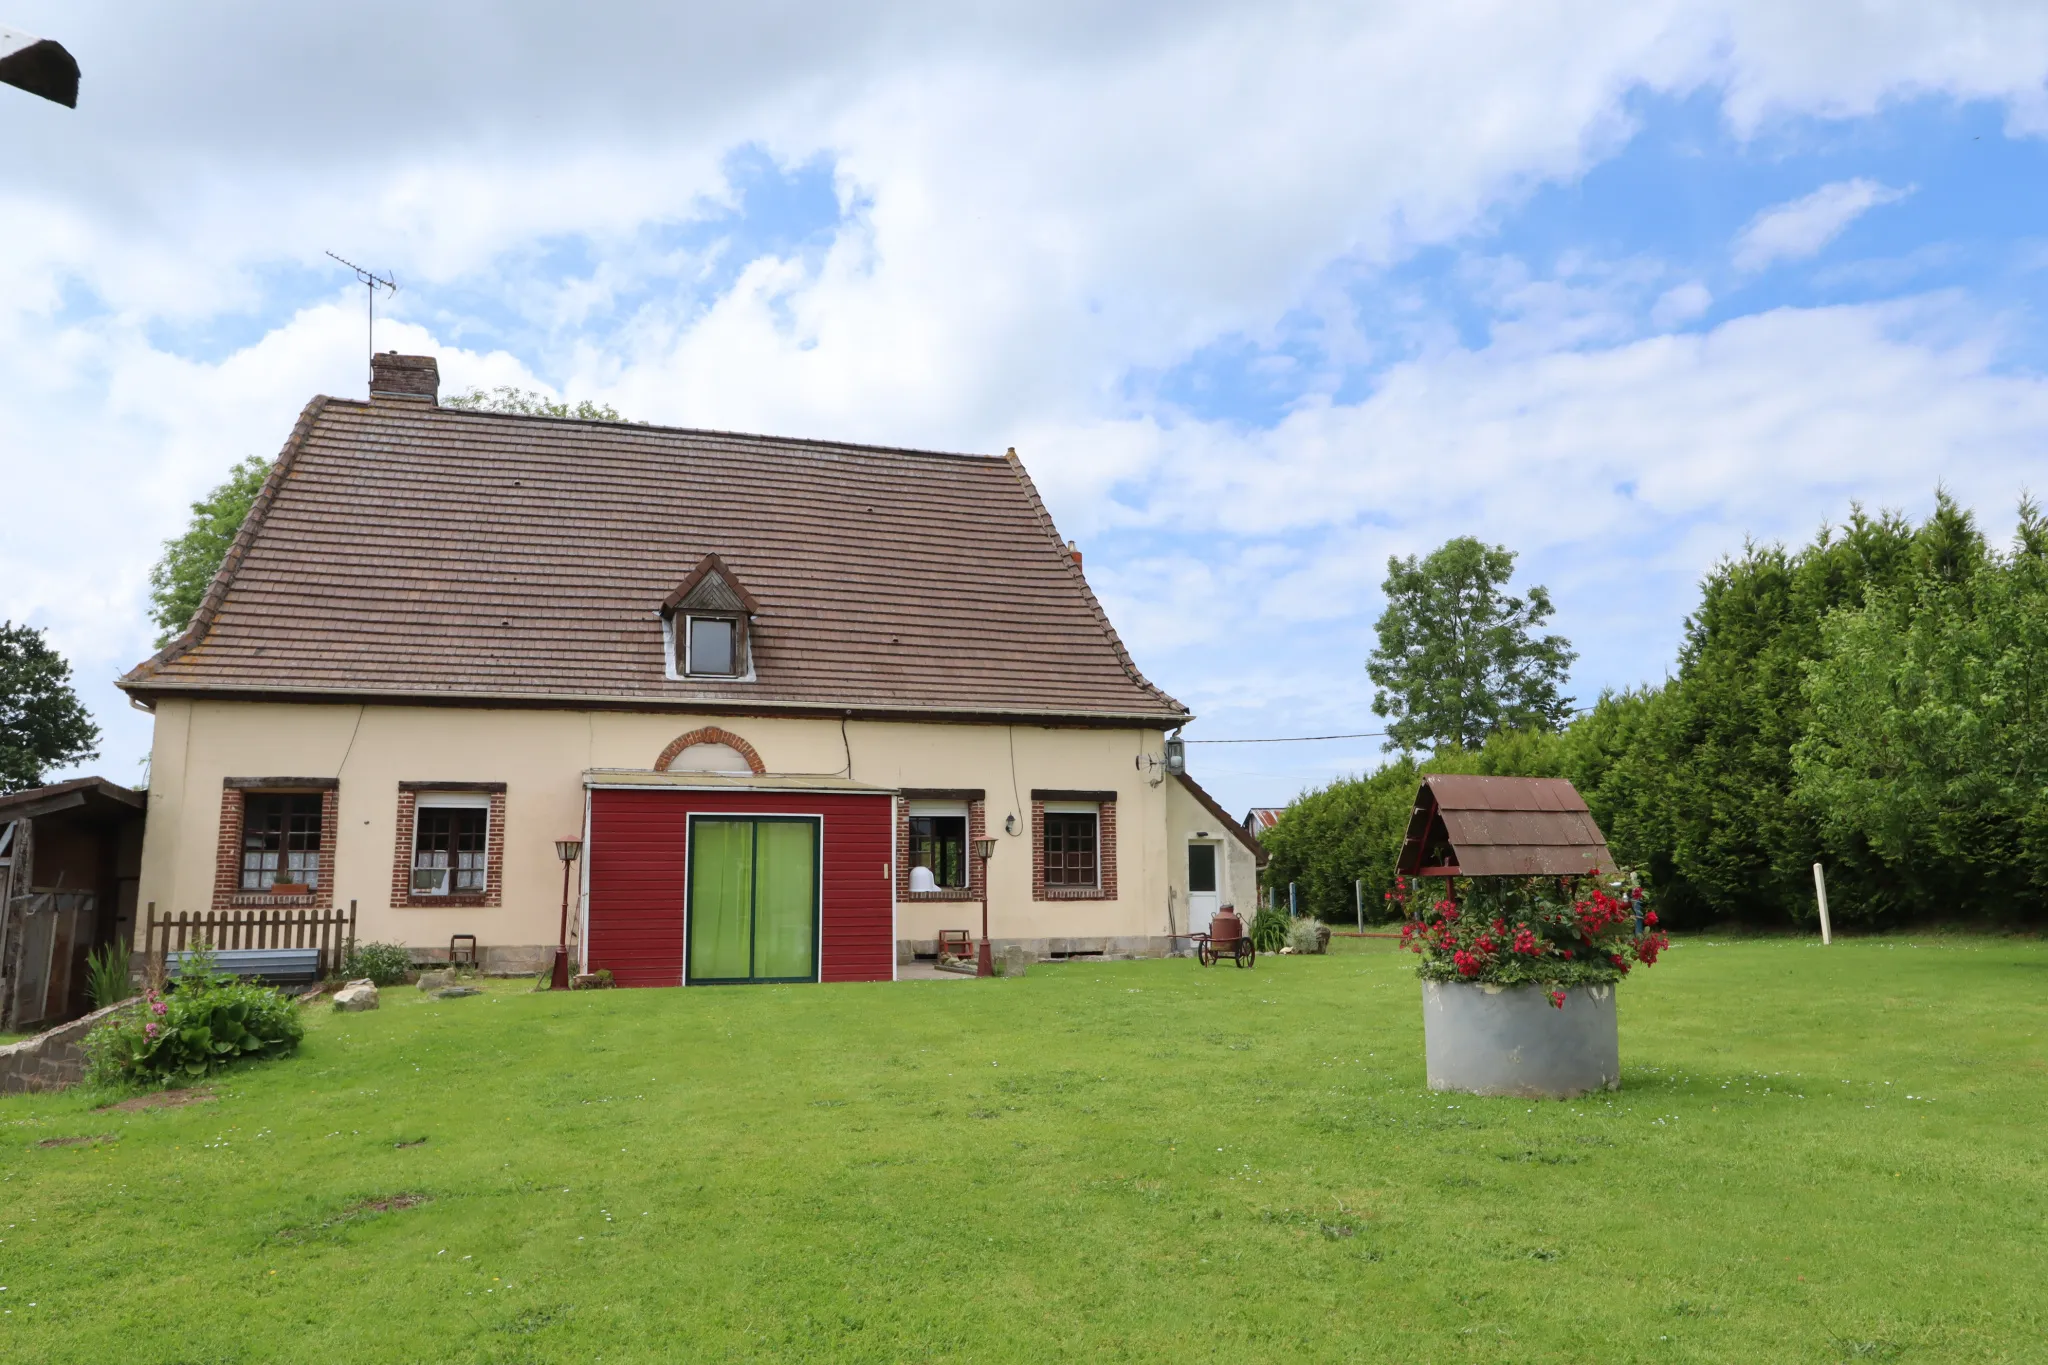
1358 899
1820 893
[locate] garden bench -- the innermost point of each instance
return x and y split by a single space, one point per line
272 966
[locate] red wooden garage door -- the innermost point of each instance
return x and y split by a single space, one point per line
639 878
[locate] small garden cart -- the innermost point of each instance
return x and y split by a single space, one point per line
1226 938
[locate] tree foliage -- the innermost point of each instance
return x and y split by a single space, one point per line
530 403
179 581
1458 659
1875 700
43 725
1928 745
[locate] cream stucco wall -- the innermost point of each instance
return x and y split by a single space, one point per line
1188 821
542 756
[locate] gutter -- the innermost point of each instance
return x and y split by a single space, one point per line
572 701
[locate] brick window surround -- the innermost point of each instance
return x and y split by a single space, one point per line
976 829
710 734
1105 847
227 866
493 894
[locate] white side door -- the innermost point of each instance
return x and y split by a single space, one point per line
1203 898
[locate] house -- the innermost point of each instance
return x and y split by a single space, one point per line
1259 819
70 855
728 707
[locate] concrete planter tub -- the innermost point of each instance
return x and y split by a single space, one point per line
1510 1040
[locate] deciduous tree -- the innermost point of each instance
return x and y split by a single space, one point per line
1458 658
43 725
178 582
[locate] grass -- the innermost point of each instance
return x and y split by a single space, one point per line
1818 1155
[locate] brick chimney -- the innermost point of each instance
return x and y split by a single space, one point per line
1075 551
404 377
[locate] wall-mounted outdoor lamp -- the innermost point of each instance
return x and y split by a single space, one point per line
1174 760
39 66
568 850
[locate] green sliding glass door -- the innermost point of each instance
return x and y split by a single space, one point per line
753 898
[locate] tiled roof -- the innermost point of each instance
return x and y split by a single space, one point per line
410 551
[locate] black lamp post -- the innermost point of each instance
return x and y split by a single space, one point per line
567 850
984 961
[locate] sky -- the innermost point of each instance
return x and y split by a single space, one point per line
1263 294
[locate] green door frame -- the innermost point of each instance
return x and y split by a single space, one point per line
817 823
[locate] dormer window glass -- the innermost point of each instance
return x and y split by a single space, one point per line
713 647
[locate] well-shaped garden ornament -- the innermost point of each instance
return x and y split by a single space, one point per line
1524 926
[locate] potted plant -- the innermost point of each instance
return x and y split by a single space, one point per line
1518 978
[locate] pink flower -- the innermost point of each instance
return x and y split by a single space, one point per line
149 1030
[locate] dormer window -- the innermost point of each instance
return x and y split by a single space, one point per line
712 648
708 624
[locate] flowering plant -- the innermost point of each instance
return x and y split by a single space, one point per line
1555 932
209 1020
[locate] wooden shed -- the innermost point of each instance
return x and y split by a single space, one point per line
70 857
1501 827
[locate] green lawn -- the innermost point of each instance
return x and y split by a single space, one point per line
1818 1155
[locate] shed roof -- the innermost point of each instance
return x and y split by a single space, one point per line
408 551
1501 827
94 796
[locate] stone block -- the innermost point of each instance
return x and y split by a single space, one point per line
356 996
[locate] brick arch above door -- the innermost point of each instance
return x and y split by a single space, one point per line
710 734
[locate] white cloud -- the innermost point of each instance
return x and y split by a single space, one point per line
1039 200
1801 227
1681 304
1619 475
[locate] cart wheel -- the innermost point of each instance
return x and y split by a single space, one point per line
1205 953
1247 952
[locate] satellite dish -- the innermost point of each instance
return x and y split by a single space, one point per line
38 66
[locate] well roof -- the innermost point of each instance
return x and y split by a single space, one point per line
1502 826
407 551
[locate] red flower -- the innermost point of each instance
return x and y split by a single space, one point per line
1525 942
1649 917
1557 1000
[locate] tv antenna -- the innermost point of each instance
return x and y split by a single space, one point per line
371 282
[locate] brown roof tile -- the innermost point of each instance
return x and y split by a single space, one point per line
405 550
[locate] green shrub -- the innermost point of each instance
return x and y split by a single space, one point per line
1308 935
1269 930
387 964
203 1025
106 975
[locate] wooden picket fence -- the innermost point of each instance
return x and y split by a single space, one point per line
333 932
